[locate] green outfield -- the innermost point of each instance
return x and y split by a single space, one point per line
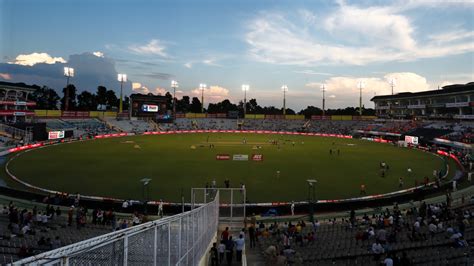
113 167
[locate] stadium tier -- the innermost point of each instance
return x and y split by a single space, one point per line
101 187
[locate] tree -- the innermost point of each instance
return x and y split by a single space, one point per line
45 98
311 110
71 97
253 107
183 105
86 101
112 100
169 100
195 105
101 95
126 103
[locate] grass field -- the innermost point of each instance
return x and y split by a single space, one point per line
113 167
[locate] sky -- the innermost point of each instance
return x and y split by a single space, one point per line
419 45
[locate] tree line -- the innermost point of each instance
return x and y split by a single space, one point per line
47 98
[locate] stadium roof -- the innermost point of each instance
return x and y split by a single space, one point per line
456 88
17 85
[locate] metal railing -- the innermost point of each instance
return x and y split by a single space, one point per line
181 239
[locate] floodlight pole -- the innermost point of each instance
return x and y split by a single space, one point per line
122 78
202 87
174 85
284 88
323 88
392 84
68 72
360 84
245 88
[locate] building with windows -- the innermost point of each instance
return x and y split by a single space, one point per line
15 102
449 102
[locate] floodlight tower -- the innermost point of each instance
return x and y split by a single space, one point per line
392 83
68 73
202 87
122 78
284 89
323 89
360 85
174 85
245 88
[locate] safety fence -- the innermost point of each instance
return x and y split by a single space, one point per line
182 239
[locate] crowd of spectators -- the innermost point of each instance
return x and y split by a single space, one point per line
388 237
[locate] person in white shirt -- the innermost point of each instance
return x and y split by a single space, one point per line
25 229
388 261
44 219
239 246
125 204
160 209
377 249
221 251
292 209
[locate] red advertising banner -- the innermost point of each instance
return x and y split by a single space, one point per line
257 157
223 157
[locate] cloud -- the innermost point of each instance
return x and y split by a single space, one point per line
157 75
153 47
343 91
213 93
90 71
5 76
448 37
98 54
137 87
210 62
36 58
311 72
188 65
349 35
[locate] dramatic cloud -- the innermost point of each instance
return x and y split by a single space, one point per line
5 76
349 35
36 58
90 71
213 93
154 47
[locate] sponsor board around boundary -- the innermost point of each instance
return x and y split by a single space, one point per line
223 157
99 198
240 157
257 157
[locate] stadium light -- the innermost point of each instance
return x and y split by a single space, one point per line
323 89
68 73
202 87
392 82
121 78
245 88
284 89
174 85
360 85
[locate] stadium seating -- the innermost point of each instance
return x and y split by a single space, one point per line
137 126
12 243
338 242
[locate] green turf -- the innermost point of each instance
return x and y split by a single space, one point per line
113 167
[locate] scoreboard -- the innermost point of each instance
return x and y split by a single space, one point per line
150 106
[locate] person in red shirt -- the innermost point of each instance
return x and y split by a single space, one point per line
225 234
